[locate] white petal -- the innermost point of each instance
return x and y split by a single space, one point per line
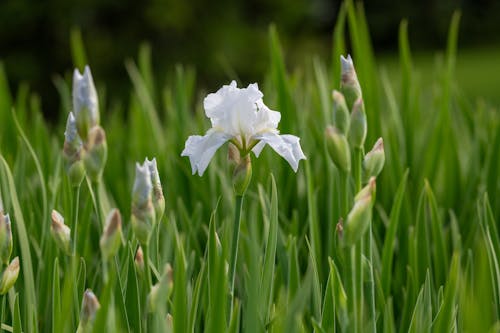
71 134
85 95
288 146
201 149
141 192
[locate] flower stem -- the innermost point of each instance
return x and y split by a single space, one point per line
234 245
76 202
147 270
97 204
357 251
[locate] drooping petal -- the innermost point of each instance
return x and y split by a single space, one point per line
288 146
201 149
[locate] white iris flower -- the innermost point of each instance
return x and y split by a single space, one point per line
241 117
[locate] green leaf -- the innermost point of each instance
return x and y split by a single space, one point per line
17 327
132 298
56 299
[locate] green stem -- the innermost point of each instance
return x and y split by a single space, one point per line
358 247
234 245
371 282
97 204
76 204
147 270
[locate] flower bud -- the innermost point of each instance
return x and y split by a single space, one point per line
161 290
369 189
242 175
341 117
139 259
338 148
90 305
157 196
233 157
96 153
349 84
72 152
60 232
358 220
9 276
111 239
358 127
85 102
6 238
143 214
374 160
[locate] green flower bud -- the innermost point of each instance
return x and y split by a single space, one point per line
96 153
6 238
60 232
358 127
369 189
349 84
139 259
157 196
143 213
242 175
111 239
338 148
358 220
85 102
341 117
90 306
161 290
72 152
374 160
9 276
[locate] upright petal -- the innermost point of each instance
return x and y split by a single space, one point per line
288 146
201 149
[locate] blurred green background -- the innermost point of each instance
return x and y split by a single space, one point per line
227 39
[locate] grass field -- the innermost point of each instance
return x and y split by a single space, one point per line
427 258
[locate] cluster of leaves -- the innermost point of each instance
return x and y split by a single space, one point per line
435 247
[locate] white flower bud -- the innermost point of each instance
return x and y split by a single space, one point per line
85 102
9 276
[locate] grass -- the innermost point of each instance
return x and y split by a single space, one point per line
434 231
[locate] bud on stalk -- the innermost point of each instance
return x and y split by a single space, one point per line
374 160
338 148
111 239
143 213
90 305
358 220
358 127
85 102
60 232
6 238
9 276
242 170
96 153
349 84
341 117
157 196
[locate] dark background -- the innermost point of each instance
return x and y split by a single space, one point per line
216 37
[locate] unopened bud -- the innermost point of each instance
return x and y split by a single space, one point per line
60 232
96 153
338 148
139 259
143 214
369 189
111 239
349 84
161 290
374 160
85 102
242 175
157 196
341 117
233 157
358 220
358 127
90 305
6 238
9 276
